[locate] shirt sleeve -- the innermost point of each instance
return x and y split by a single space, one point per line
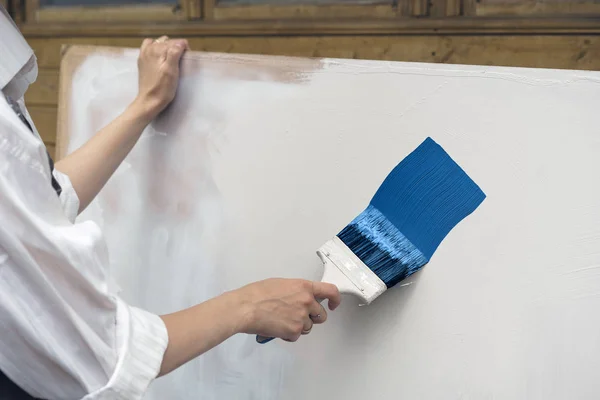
68 197
63 334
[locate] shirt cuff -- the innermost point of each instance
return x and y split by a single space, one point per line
143 348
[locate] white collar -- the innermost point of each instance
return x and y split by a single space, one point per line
18 66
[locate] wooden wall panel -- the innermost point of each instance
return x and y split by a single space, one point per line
51 150
45 121
522 8
542 51
45 90
297 11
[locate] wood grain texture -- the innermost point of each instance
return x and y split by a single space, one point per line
44 91
51 147
191 9
16 12
323 27
569 52
468 7
300 11
521 8
45 122
31 9
207 9
144 13
453 8
418 8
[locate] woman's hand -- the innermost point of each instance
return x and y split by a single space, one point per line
285 308
90 166
158 65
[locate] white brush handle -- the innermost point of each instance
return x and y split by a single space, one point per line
344 270
332 274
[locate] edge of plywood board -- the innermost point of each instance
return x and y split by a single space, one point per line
72 56
282 68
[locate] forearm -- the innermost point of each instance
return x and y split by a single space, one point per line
90 166
198 329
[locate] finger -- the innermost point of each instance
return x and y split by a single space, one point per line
174 54
162 39
145 44
159 49
292 337
327 291
317 313
308 324
180 42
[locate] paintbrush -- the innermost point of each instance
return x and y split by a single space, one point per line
413 210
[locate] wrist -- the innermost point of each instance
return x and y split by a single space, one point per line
144 109
242 311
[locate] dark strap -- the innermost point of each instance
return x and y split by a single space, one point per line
10 391
19 113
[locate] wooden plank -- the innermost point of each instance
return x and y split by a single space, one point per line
453 8
326 27
145 13
51 147
441 8
191 9
207 9
17 11
44 91
418 8
31 9
44 119
524 8
437 8
469 7
550 51
300 11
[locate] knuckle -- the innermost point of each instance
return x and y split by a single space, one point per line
297 327
293 338
307 299
174 51
306 285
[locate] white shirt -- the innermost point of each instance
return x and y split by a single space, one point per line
63 334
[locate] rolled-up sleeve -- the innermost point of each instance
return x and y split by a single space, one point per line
141 357
68 197
63 334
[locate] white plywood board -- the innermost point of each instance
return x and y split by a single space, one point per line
262 159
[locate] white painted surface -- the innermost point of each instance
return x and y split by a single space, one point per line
253 175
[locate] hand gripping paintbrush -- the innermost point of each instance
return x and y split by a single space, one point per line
415 207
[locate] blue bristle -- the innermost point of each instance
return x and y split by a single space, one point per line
382 247
417 205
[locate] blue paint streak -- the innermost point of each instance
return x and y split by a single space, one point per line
417 205
382 247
